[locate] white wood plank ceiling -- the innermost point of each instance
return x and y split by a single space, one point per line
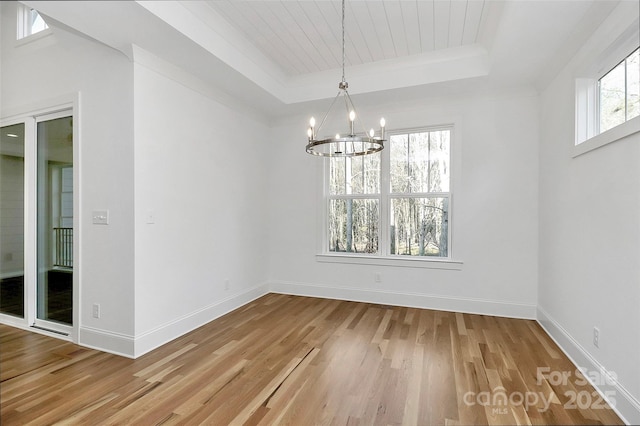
305 36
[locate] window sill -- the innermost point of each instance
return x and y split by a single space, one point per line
625 129
31 38
399 261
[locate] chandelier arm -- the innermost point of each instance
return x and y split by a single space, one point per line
327 113
346 104
353 107
350 107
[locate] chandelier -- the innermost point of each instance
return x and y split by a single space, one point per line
350 144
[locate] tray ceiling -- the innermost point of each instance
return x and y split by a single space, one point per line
273 55
306 36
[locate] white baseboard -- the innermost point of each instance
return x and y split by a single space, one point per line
107 341
413 300
157 337
625 405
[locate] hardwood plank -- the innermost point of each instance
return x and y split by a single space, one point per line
297 360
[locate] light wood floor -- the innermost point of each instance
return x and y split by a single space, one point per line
304 361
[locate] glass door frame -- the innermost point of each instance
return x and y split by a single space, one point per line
27 271
39 323
31 120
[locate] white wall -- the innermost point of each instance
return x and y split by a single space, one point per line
590 236
495 220
39 74
200 171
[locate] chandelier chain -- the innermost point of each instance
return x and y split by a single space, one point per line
343 43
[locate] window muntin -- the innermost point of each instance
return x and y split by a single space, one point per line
618 93
407 216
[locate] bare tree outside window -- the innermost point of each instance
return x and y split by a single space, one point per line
415 202
619 92
354 216
419 213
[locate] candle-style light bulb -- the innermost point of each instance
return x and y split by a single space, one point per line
309 132
371 133
337 135
352 117
382 122
312 122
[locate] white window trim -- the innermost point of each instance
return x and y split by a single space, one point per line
614 134
587 136
23 35
34 37
383 258
401 261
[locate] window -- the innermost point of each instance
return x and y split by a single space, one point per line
393 203
354 204
618 93
419 193
607 101
607 80
29 22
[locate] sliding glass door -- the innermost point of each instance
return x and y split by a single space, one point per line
37 232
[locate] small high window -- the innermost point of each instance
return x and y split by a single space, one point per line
30 22
608 102
619 93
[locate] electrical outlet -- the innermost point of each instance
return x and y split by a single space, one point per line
596 337
226 285
96 310
377 277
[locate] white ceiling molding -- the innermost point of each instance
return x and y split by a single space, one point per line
417 70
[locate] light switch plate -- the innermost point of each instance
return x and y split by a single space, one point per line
100 217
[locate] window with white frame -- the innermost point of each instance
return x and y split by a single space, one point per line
353 204
619 93
395 202
29 22
608 93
